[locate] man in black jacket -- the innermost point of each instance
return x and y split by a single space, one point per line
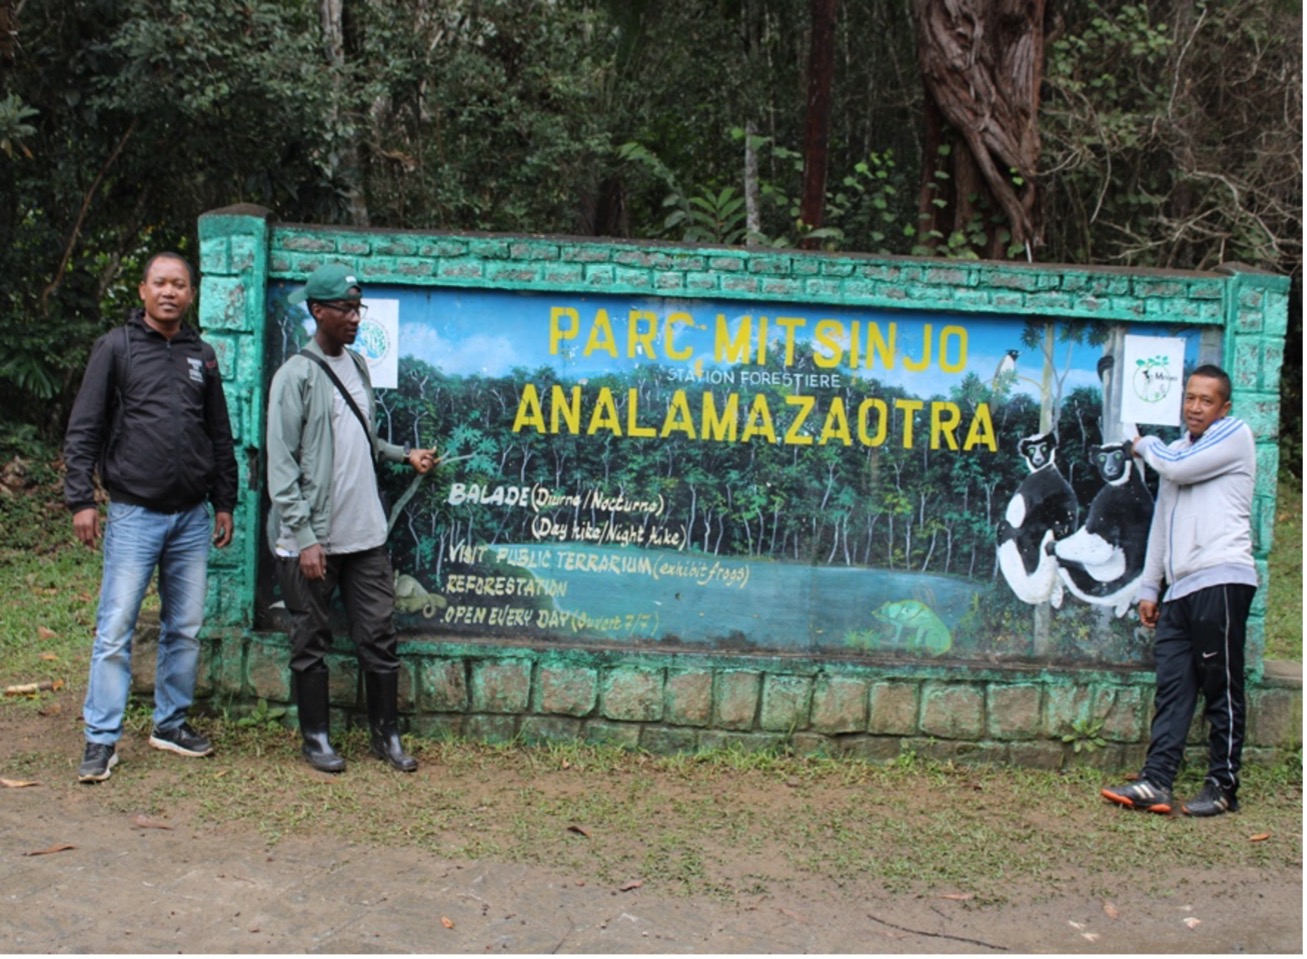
152 418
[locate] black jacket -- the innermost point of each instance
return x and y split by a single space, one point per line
161 438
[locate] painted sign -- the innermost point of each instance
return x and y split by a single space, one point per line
783 478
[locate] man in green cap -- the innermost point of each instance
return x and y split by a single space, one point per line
327 527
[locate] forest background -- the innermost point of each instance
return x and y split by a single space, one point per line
1166 134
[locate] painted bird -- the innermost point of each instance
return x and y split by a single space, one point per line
1006 367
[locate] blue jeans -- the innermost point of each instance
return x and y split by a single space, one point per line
136 541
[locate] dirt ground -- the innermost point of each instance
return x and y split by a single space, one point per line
102 869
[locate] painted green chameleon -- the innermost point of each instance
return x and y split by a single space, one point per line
924 629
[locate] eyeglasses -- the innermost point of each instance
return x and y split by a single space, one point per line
346 308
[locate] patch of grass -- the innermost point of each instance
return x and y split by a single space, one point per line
1284 592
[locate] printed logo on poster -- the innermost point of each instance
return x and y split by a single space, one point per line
378 342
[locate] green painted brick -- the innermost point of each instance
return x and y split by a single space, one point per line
1064 706
688 698
786 702
566 690
490 729
354 246
743 742
634 695
632 279
441 727
948 276
562 273
549 729
822 288
221 668
701 282
952 711
1039 754
726 264
1014 712
224 303
668 740
851 290
304 243
643 259
600 733
385 246
600 274
215 256
411 268
500 687
813 744
772 265
737 699
740 284
839 705
872 749
443 685
586 254
444 249
1275 717
894 708
533 250
1129 716
459 270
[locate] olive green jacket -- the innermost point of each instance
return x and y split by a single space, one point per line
301 447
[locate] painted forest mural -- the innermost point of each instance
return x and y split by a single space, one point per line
712 474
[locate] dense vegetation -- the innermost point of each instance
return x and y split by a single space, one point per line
1170 129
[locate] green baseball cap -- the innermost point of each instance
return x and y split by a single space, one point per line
331 281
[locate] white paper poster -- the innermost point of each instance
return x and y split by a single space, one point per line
1153 387
378 342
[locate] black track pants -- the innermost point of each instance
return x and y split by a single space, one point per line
1200 646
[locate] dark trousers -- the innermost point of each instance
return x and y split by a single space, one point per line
367 588
1200 646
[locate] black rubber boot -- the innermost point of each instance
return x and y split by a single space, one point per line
383 719
312 699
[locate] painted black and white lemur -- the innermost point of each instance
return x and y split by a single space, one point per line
1102 561
1040 512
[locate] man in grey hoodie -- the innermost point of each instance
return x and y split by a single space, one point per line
1200 545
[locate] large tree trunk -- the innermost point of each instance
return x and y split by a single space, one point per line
982 62
350 167
816 130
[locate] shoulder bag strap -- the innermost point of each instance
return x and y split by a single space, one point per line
349 400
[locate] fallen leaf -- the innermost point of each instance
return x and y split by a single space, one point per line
53 709
1260 837
567 764
631 884
18 783
62 847
1075 925
579 830
49 657
1192 923
793 915
1111 910
44 633
447 922
145 822
1091 936
959 896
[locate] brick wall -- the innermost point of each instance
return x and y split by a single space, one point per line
666 701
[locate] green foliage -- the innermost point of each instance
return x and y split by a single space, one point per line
263 716
1085 735
14 127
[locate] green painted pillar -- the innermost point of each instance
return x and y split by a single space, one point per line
233 276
